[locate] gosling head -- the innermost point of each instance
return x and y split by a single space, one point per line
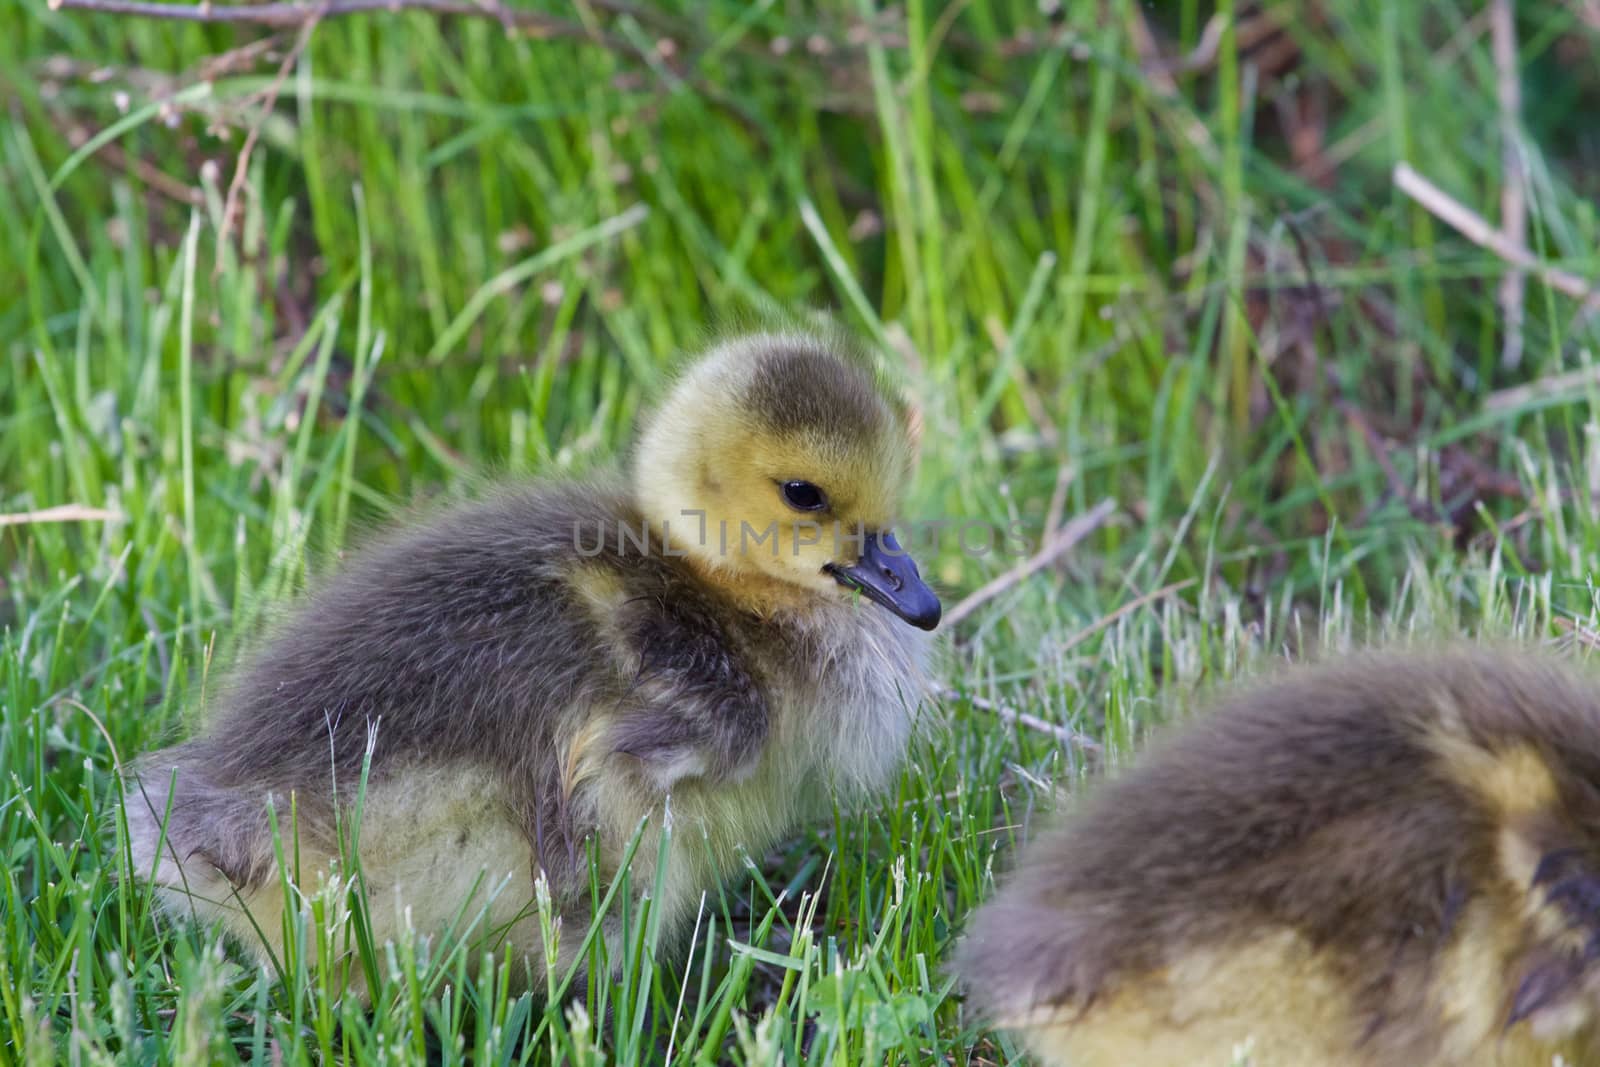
777 463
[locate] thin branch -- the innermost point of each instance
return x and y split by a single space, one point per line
61 513
1419 508
1581 634
1357 418
292 15
1065 538
230 204
1469 224
1158 74
111 155
1513 190
1571 383
1065 476
285 13
1345 148
1127 609
116 756
1021 718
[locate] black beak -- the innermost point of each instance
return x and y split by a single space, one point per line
884 573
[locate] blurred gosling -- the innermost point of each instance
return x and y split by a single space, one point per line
1393 859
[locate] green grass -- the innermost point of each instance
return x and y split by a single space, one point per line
485 248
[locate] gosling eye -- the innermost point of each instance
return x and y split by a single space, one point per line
803 496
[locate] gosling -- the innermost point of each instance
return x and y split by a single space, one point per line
1389 860
722 644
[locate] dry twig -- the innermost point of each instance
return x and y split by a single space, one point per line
1063 539
1021 718
1567 383
1347 147
1469 224
111 155
1158 72
1513 191
61 513
294 15
1127 609
269 100
286 13
1065 476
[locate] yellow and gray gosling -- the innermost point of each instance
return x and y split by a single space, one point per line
562 660
1393 861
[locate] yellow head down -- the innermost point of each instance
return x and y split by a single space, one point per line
777 463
